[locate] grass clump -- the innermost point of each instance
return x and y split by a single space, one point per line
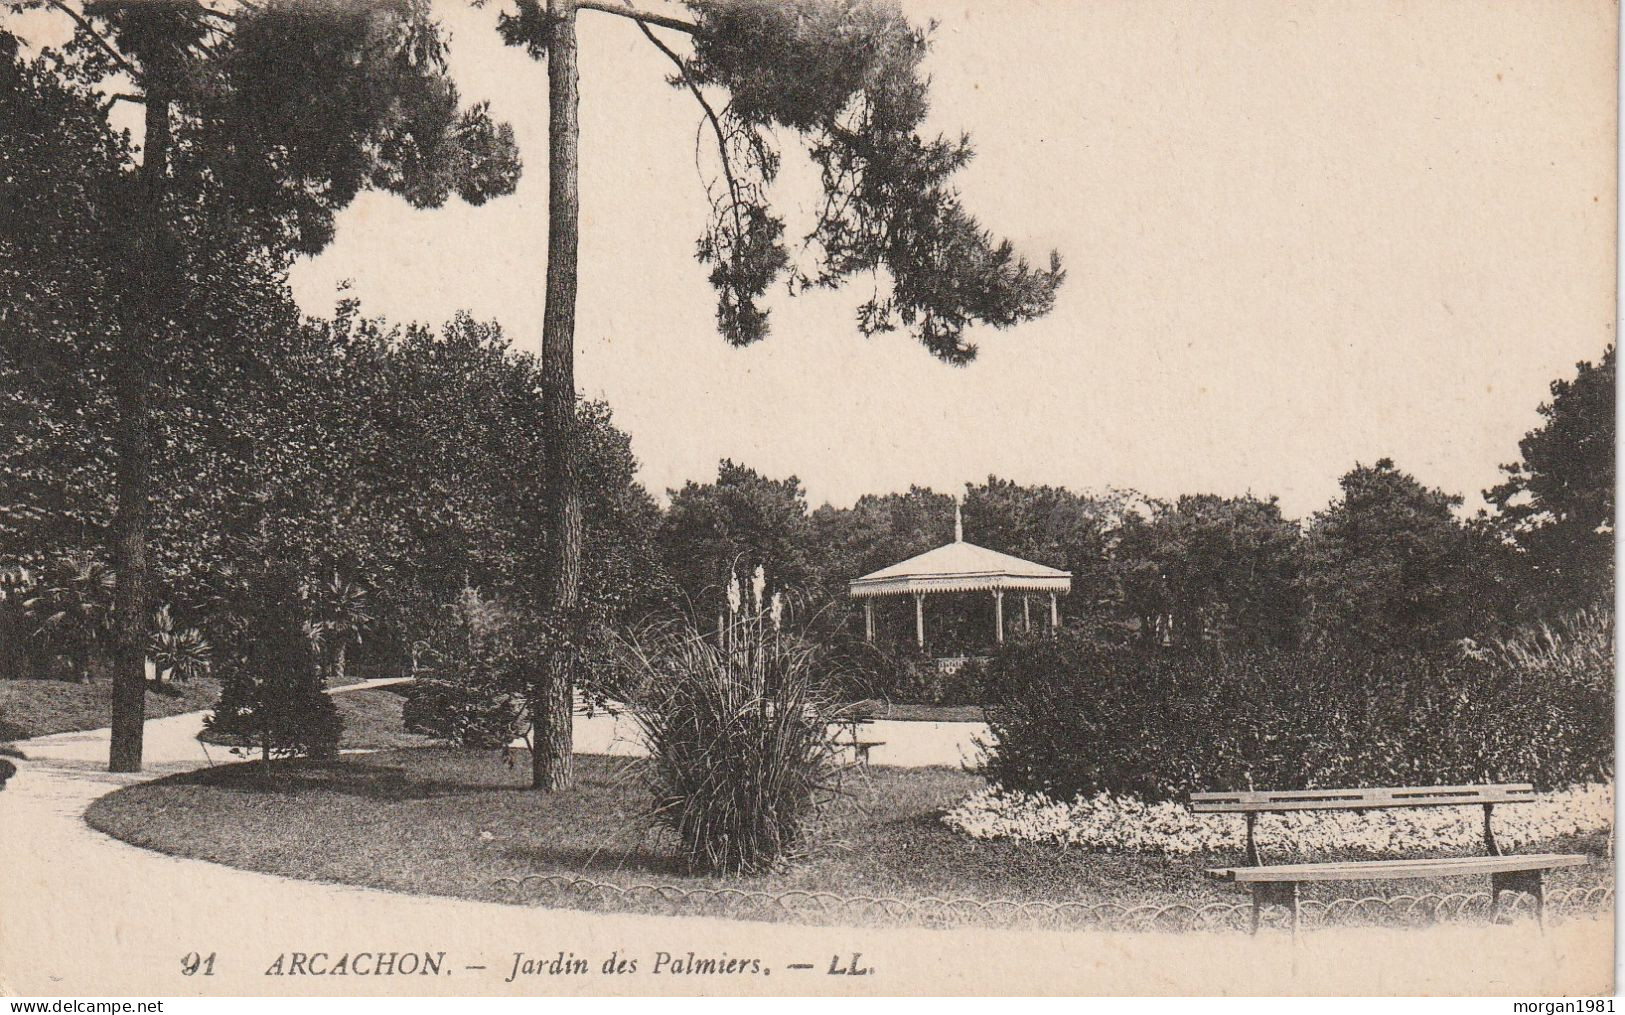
737 732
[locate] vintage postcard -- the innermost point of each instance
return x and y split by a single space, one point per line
807 497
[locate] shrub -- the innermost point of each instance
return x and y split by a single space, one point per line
272 698
72 608
901 674
1073 717
737 736
1558 680
475 697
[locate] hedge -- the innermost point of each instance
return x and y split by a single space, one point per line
1072 717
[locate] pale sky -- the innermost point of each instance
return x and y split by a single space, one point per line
1297 236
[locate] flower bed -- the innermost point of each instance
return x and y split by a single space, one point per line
1122 824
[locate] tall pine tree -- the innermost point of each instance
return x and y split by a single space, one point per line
261 118
845 78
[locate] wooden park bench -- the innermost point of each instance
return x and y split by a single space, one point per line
855 740
1277 884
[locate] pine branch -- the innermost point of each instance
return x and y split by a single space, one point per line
643 18
113 100
716 125
106 47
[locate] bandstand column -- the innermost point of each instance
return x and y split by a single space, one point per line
868 620
1054 615
998 613
1026 613
919 618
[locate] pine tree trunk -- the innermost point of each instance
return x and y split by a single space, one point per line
140 324
553 690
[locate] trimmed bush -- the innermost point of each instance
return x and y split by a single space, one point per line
276 703
737 734
1072 717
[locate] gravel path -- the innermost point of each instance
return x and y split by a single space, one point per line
83 914
902 744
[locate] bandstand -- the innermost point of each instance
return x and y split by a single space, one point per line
961 567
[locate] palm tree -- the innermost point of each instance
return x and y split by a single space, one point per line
182 653
75 606
345 617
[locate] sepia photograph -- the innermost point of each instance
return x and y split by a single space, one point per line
541 498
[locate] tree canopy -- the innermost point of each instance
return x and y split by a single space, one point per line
1388 563
1556 505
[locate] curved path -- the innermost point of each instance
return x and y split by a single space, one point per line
83 914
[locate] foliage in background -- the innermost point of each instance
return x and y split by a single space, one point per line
395 465
898 674
72 609
17 642
737 731
177 653
61 188
1555 508
345 614
741 522
1388 565
1210 572
1558 680
1073 717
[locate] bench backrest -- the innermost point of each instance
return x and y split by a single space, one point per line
1373 798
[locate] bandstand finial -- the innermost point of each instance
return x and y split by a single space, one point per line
959 524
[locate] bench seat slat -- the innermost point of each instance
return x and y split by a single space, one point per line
1370 798
1382 870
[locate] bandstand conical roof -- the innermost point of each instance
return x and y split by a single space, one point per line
961 567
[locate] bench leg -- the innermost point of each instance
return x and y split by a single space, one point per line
1271 893
1532 882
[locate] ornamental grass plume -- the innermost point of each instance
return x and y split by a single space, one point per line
737 733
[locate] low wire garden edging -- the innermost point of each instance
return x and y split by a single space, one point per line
823 907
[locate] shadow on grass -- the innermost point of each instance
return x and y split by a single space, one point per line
302 776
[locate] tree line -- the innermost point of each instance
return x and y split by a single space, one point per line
1389 562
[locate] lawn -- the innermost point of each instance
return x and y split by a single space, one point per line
35 708
372 719
449 822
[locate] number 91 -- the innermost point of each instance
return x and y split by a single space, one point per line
193 963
